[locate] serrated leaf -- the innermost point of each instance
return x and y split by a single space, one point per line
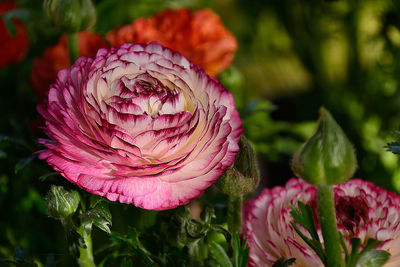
219 255
373 258
355 256
304 216
100 217
23 163
284 263
394 147
314 244
240 251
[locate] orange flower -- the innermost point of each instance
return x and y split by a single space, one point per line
56 58
200 36
12 48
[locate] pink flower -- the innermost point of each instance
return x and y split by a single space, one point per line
140 124
363 210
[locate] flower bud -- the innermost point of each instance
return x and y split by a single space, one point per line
328 157
61 203
243 176
71 15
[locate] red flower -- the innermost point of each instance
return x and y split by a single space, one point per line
12 48
200 36
55 58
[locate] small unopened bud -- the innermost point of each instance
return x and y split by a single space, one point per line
71 15
328 157
61 203
243 176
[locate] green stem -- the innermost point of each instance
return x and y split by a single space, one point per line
73 46
327 219
235 214
86 254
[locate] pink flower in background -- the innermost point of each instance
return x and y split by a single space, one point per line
140 124
363 210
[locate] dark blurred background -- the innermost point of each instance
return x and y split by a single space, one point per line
293 57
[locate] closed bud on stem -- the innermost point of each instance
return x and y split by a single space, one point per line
71 15
328 157
61 203
243 176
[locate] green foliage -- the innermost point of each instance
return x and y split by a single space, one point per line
219 255
303 215
127 247
367 256
240 252
99 216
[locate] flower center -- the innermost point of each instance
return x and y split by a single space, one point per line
145 94
351 212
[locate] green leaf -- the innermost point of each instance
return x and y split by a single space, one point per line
354 258
23 162
240 251
220 229
304 216
394 147
374 258
284 263
219 255
314 244
99 216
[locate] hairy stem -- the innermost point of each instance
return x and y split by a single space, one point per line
86 254
327 218
235 214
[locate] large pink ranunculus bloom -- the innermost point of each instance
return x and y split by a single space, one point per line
363 210
140 124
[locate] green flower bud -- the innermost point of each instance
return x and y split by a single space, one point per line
328 157
61 203
243 176
71 15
